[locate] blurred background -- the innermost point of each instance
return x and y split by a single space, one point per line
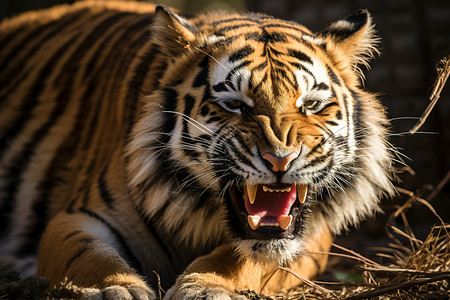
415 35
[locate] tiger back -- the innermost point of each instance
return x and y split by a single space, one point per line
208 150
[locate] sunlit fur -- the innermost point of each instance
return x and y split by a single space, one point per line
119 143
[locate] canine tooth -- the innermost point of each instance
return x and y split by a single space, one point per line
254 221
251 192
301 192
284 221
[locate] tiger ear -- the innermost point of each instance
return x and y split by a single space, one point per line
353 37
172 32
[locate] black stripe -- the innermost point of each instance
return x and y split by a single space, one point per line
86 195
317 147
207 94
283 74
299 30
73 258
233 27
302 41
321 86
255 36
204 110
342 142
85 241
333 76
205 138
71 205
277 62
129 256
261 66
220 87
356 107
189 102
301 56
346 107
235 69
239 19
276 76
224 42
325 129
241 54
214 119
106 196
259 85
304 69
332 123
202 76
241 157
74 233
170 97
330 104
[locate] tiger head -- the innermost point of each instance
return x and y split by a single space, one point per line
264 124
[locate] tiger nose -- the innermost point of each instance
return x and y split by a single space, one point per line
279 164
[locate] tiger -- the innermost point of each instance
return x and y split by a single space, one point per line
146 150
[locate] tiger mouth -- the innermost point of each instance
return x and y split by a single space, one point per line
270 211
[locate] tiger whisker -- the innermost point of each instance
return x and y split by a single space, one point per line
192 121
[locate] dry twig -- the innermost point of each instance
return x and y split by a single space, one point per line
443 70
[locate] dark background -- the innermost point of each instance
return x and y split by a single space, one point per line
415 35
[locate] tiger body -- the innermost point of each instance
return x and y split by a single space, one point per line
126 151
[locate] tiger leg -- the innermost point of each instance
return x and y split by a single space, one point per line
82 249
221 273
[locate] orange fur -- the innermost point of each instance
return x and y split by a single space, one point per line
226 269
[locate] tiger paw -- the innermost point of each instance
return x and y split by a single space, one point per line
191 291
119 292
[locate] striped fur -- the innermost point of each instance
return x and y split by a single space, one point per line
128 138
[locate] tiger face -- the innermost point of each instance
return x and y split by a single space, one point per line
272 126
286 128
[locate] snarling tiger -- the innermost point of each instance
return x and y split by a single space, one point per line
137 144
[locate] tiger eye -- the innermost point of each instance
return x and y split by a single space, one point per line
234 104
311 104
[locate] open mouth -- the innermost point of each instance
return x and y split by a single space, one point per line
270 211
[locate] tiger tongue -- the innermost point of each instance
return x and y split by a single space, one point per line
273 204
